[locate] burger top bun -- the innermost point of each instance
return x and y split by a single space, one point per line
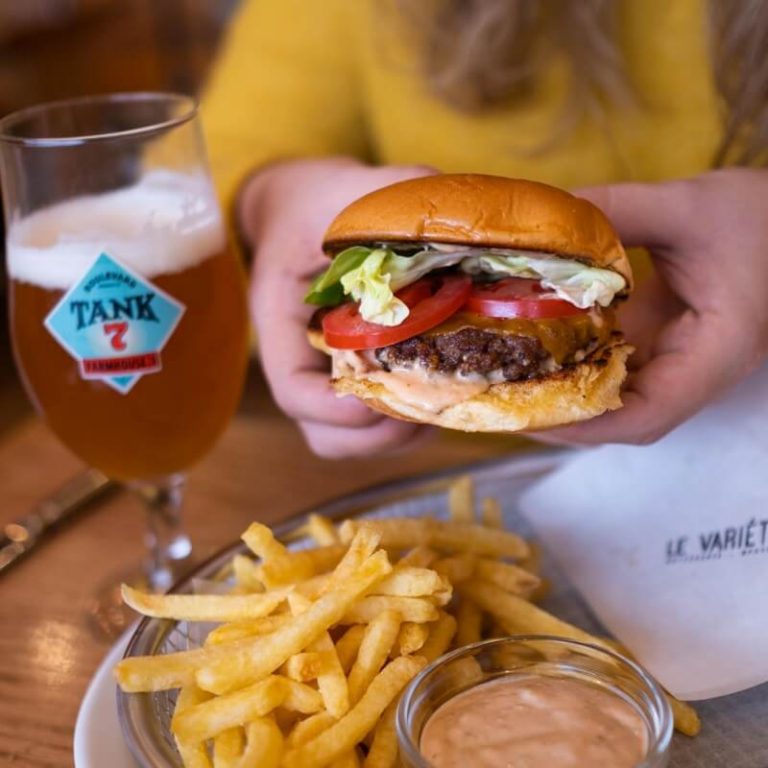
479 210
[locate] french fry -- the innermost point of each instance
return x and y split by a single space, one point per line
364 611
314 587
264 746
298 603
532 563
278 565
469 620
380 636
317 560
228 748
203 607
204 721
516 615
301 564
191 750
322 530
304 666
404 581
263 655
686 718
461 502
195 756
510 577
332 680
189 696
306 730
441 633
418 557
345 734
349 760
246 573
384 750
237 630
466 672
411 637
455 569
301 698
144 674
277 573
361 547
408 581
261 541
348 646
405 532
490 513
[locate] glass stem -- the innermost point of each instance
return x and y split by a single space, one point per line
167 541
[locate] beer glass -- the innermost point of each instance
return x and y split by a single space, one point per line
127 308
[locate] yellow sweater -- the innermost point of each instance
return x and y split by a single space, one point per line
303 78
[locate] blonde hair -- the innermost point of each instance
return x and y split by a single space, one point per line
478 53
739 30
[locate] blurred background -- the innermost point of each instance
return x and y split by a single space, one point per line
53 49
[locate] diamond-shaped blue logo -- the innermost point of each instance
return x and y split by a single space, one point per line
115 324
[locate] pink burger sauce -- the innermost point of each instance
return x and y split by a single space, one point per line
535 722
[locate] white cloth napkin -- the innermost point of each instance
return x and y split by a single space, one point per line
668 543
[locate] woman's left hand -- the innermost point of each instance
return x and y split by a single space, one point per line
700 325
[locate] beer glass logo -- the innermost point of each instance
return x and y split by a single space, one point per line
115 324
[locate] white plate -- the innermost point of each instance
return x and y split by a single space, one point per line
98 741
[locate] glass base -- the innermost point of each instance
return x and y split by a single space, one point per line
160 574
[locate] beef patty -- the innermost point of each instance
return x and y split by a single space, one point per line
471 350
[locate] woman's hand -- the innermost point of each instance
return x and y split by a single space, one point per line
284 212
700 324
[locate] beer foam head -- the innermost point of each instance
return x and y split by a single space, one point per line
164 224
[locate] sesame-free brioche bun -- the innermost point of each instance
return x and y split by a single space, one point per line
582 371
480 210
577 393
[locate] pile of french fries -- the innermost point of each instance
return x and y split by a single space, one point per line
313 647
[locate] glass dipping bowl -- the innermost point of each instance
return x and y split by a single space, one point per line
530 656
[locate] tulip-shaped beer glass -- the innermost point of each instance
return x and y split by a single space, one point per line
128 313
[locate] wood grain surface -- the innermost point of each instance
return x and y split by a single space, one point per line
48 646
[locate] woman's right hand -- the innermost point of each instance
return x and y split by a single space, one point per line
284 211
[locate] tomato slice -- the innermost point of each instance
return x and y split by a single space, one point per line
431 301
416 292
518 297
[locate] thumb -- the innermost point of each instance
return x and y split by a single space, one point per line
642 214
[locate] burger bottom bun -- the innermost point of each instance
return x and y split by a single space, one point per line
575 394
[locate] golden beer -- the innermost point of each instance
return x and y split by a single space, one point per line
171 417
127 309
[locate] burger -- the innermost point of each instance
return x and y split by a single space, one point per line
473 302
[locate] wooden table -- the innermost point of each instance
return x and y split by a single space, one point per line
48 647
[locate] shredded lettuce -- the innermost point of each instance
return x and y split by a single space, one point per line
375 281
326 289
371 276
370 284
